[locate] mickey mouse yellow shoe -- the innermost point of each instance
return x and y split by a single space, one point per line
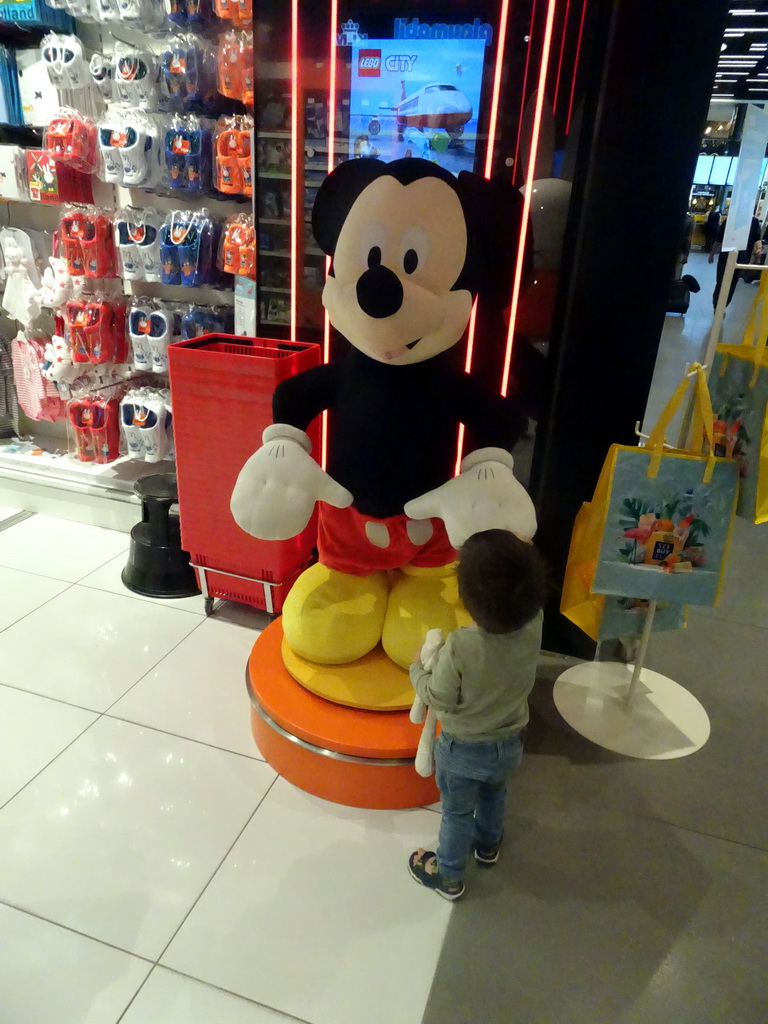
331 617
421 599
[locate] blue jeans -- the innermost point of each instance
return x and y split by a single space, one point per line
472 778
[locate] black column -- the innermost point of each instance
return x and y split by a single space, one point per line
632 181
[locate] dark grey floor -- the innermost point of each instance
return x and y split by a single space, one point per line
633 892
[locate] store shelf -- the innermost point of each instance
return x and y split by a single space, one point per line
275 220
278 175
279 291
54 482
272 135
275 252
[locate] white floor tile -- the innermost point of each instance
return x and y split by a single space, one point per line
169 998
58 548
88 647
21 593
49 975
198 691
314 913
33 730
107 577
118 836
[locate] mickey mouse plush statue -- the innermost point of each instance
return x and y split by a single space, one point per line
411 246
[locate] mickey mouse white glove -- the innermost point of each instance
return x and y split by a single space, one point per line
485 495
278 486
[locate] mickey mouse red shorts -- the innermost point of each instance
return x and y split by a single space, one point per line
351 542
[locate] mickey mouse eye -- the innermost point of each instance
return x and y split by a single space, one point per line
374 257
414 250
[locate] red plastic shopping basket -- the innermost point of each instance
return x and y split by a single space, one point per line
221 390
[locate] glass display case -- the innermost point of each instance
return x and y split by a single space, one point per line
488 86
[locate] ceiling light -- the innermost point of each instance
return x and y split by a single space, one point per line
708 129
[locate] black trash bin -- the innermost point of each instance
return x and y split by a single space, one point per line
157 565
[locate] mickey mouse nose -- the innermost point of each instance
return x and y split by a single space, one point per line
379 292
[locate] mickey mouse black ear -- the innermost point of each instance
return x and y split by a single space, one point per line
337 194
494 211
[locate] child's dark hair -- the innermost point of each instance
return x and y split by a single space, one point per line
502 581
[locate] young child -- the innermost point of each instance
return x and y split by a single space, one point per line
479 688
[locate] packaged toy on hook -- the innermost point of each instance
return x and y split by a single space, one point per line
95 328
146 424
64 60
141 13
188 74
100 68
200 320
187 151
70 139
233 155
235 66
135 77
87 243
137 238
238 12
152 326
128 142
238 248
107 11
188 248
190 13
95 424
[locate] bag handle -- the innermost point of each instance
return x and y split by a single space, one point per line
703 421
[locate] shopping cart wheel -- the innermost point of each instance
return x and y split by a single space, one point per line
209 606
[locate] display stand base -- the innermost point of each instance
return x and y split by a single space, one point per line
348 755
662 721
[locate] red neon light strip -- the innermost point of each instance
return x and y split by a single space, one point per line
331 144
459 450
294 170
525 83
501 36
562 50
576 66
502 41
528 192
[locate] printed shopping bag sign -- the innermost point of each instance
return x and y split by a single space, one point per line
739 387
665 537
740 425
604 617
659 522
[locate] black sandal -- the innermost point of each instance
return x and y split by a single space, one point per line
417 865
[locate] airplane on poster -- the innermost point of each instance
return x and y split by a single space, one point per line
438 105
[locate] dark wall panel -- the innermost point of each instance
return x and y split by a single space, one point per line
634 170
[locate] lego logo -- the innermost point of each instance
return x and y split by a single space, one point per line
369 63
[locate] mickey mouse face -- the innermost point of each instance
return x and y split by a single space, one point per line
399 253
411 246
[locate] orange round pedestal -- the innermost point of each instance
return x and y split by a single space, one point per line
354 757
